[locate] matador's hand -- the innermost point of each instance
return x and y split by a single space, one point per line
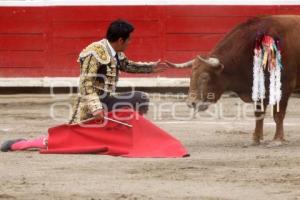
159 66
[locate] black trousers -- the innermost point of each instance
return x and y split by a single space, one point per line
139 101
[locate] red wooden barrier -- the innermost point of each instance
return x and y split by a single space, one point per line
45 41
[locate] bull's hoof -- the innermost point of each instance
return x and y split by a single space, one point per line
276 143
251 144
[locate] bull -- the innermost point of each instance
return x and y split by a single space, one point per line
229 67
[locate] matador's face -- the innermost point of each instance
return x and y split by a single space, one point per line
123 44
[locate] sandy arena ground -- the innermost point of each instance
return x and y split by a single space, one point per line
220 166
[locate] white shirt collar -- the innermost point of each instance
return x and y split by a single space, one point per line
113 52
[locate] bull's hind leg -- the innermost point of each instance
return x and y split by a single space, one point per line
258 134
278 118
278 139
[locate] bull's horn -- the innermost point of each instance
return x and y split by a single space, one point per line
180 65
214 62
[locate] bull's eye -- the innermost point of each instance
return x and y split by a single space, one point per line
202 86
203 80
204 77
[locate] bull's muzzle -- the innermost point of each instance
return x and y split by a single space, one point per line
202 106
190 103
197 105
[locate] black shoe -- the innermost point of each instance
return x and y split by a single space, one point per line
6 146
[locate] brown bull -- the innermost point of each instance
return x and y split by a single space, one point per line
229 67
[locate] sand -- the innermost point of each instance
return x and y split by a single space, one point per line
220 166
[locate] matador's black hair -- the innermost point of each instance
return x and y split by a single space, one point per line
119 29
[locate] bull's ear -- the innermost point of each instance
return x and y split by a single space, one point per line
218 69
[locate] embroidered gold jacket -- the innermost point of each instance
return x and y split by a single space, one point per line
99 72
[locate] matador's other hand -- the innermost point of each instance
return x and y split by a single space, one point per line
99 115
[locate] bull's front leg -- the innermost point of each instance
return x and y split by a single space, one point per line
258 134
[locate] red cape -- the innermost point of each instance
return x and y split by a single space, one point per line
144 139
